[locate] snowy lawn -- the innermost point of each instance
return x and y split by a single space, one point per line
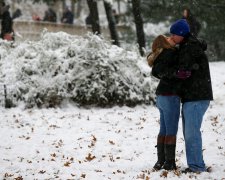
116 143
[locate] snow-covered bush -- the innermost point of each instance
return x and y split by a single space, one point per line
87 70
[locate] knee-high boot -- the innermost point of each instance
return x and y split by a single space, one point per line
160 152
170 151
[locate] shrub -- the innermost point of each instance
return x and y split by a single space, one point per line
87 70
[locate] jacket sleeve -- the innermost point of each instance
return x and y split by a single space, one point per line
162 67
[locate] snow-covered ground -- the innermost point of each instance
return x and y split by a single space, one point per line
115 143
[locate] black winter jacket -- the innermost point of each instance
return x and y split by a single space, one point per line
165 68
193 58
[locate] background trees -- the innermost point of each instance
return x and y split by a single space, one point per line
136 6
112 22
210 13
93 8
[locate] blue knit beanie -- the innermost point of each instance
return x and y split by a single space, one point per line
180 28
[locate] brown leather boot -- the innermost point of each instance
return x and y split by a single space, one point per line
160 152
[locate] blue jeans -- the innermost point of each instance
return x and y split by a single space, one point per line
193 113
169 108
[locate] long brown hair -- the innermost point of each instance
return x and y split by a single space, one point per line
161 42
158 45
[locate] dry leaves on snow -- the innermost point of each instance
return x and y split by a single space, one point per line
90 157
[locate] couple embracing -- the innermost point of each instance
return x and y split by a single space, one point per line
185 83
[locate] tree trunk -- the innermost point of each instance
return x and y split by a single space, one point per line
118 3
139 25
73 2
218 50
112 23
93 7
63 4
57 6
79 8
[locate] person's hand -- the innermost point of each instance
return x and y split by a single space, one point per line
182 74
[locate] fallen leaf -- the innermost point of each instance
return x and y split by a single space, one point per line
111 158
8 175
90 157
18 178
67 164
42 172
111 142
164 174
141 176
94 138
177 173
98 170
53 155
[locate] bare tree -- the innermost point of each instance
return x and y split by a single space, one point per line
1 6
139 25
63 4
112 23
93 7
118 4
78 8
73 2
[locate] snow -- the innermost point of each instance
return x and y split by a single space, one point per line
87 70
154 30
103 143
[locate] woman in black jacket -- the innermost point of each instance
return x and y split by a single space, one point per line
164 62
